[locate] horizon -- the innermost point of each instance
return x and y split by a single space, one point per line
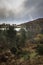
18 23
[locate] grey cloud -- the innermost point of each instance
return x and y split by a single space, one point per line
6 11
34 8
6 14
31 9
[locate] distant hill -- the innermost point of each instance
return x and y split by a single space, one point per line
35 26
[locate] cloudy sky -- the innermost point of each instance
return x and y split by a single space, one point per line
20 11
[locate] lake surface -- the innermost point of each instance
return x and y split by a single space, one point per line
17 29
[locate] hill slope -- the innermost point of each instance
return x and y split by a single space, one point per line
35 25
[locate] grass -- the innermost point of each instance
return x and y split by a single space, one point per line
32 55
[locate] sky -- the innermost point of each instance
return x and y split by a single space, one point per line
20 11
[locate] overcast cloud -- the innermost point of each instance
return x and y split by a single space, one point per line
17 11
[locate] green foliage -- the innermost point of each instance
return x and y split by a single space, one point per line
40 49
11 36
41 31
22 37
39 38
11 33
3 39
14 50
30 34
25 55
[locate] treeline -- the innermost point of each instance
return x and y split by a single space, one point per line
9 38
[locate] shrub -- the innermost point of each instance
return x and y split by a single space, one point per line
25 55
22 37
13 50
40 49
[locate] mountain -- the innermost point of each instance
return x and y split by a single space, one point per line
35 26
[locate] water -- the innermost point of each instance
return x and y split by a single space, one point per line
17 29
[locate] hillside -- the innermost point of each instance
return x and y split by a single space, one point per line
36 26
37 21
